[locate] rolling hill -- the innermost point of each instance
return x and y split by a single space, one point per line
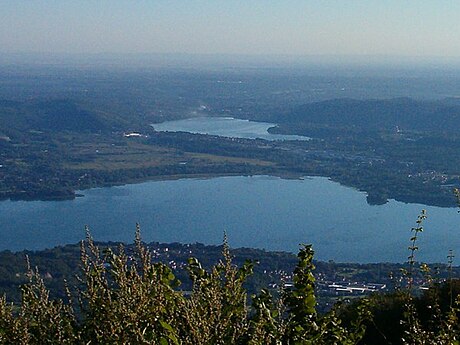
52 116
371 115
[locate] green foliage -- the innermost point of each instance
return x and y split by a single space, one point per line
39 319
124 298
216 312
127 302
441 328
409 315
413 248
304 326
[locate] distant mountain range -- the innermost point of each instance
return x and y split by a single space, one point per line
388 114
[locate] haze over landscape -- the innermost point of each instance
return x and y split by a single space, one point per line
427 30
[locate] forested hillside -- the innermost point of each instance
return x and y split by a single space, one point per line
397 114
17 118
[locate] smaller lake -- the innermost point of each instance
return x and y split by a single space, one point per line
225 127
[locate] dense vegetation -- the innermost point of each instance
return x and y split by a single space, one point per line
63 264
127 299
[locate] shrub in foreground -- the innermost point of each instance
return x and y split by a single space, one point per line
126 299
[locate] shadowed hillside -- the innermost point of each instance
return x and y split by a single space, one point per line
371 115
51 115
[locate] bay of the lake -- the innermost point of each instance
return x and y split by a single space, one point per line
225 127
259 211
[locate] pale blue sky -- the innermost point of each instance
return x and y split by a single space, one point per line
399 27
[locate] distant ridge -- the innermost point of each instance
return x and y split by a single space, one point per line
388 114
50 115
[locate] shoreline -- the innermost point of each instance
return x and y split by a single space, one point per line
77 193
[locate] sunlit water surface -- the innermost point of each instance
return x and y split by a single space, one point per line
225 127
260 211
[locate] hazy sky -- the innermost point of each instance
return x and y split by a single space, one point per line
348 27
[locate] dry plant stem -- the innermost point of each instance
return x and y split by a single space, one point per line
413 248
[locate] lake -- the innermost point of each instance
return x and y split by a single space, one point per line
259 211
225 127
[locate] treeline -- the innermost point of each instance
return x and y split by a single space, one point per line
63 263
128 299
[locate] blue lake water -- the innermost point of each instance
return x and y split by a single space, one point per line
226 127
260 211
